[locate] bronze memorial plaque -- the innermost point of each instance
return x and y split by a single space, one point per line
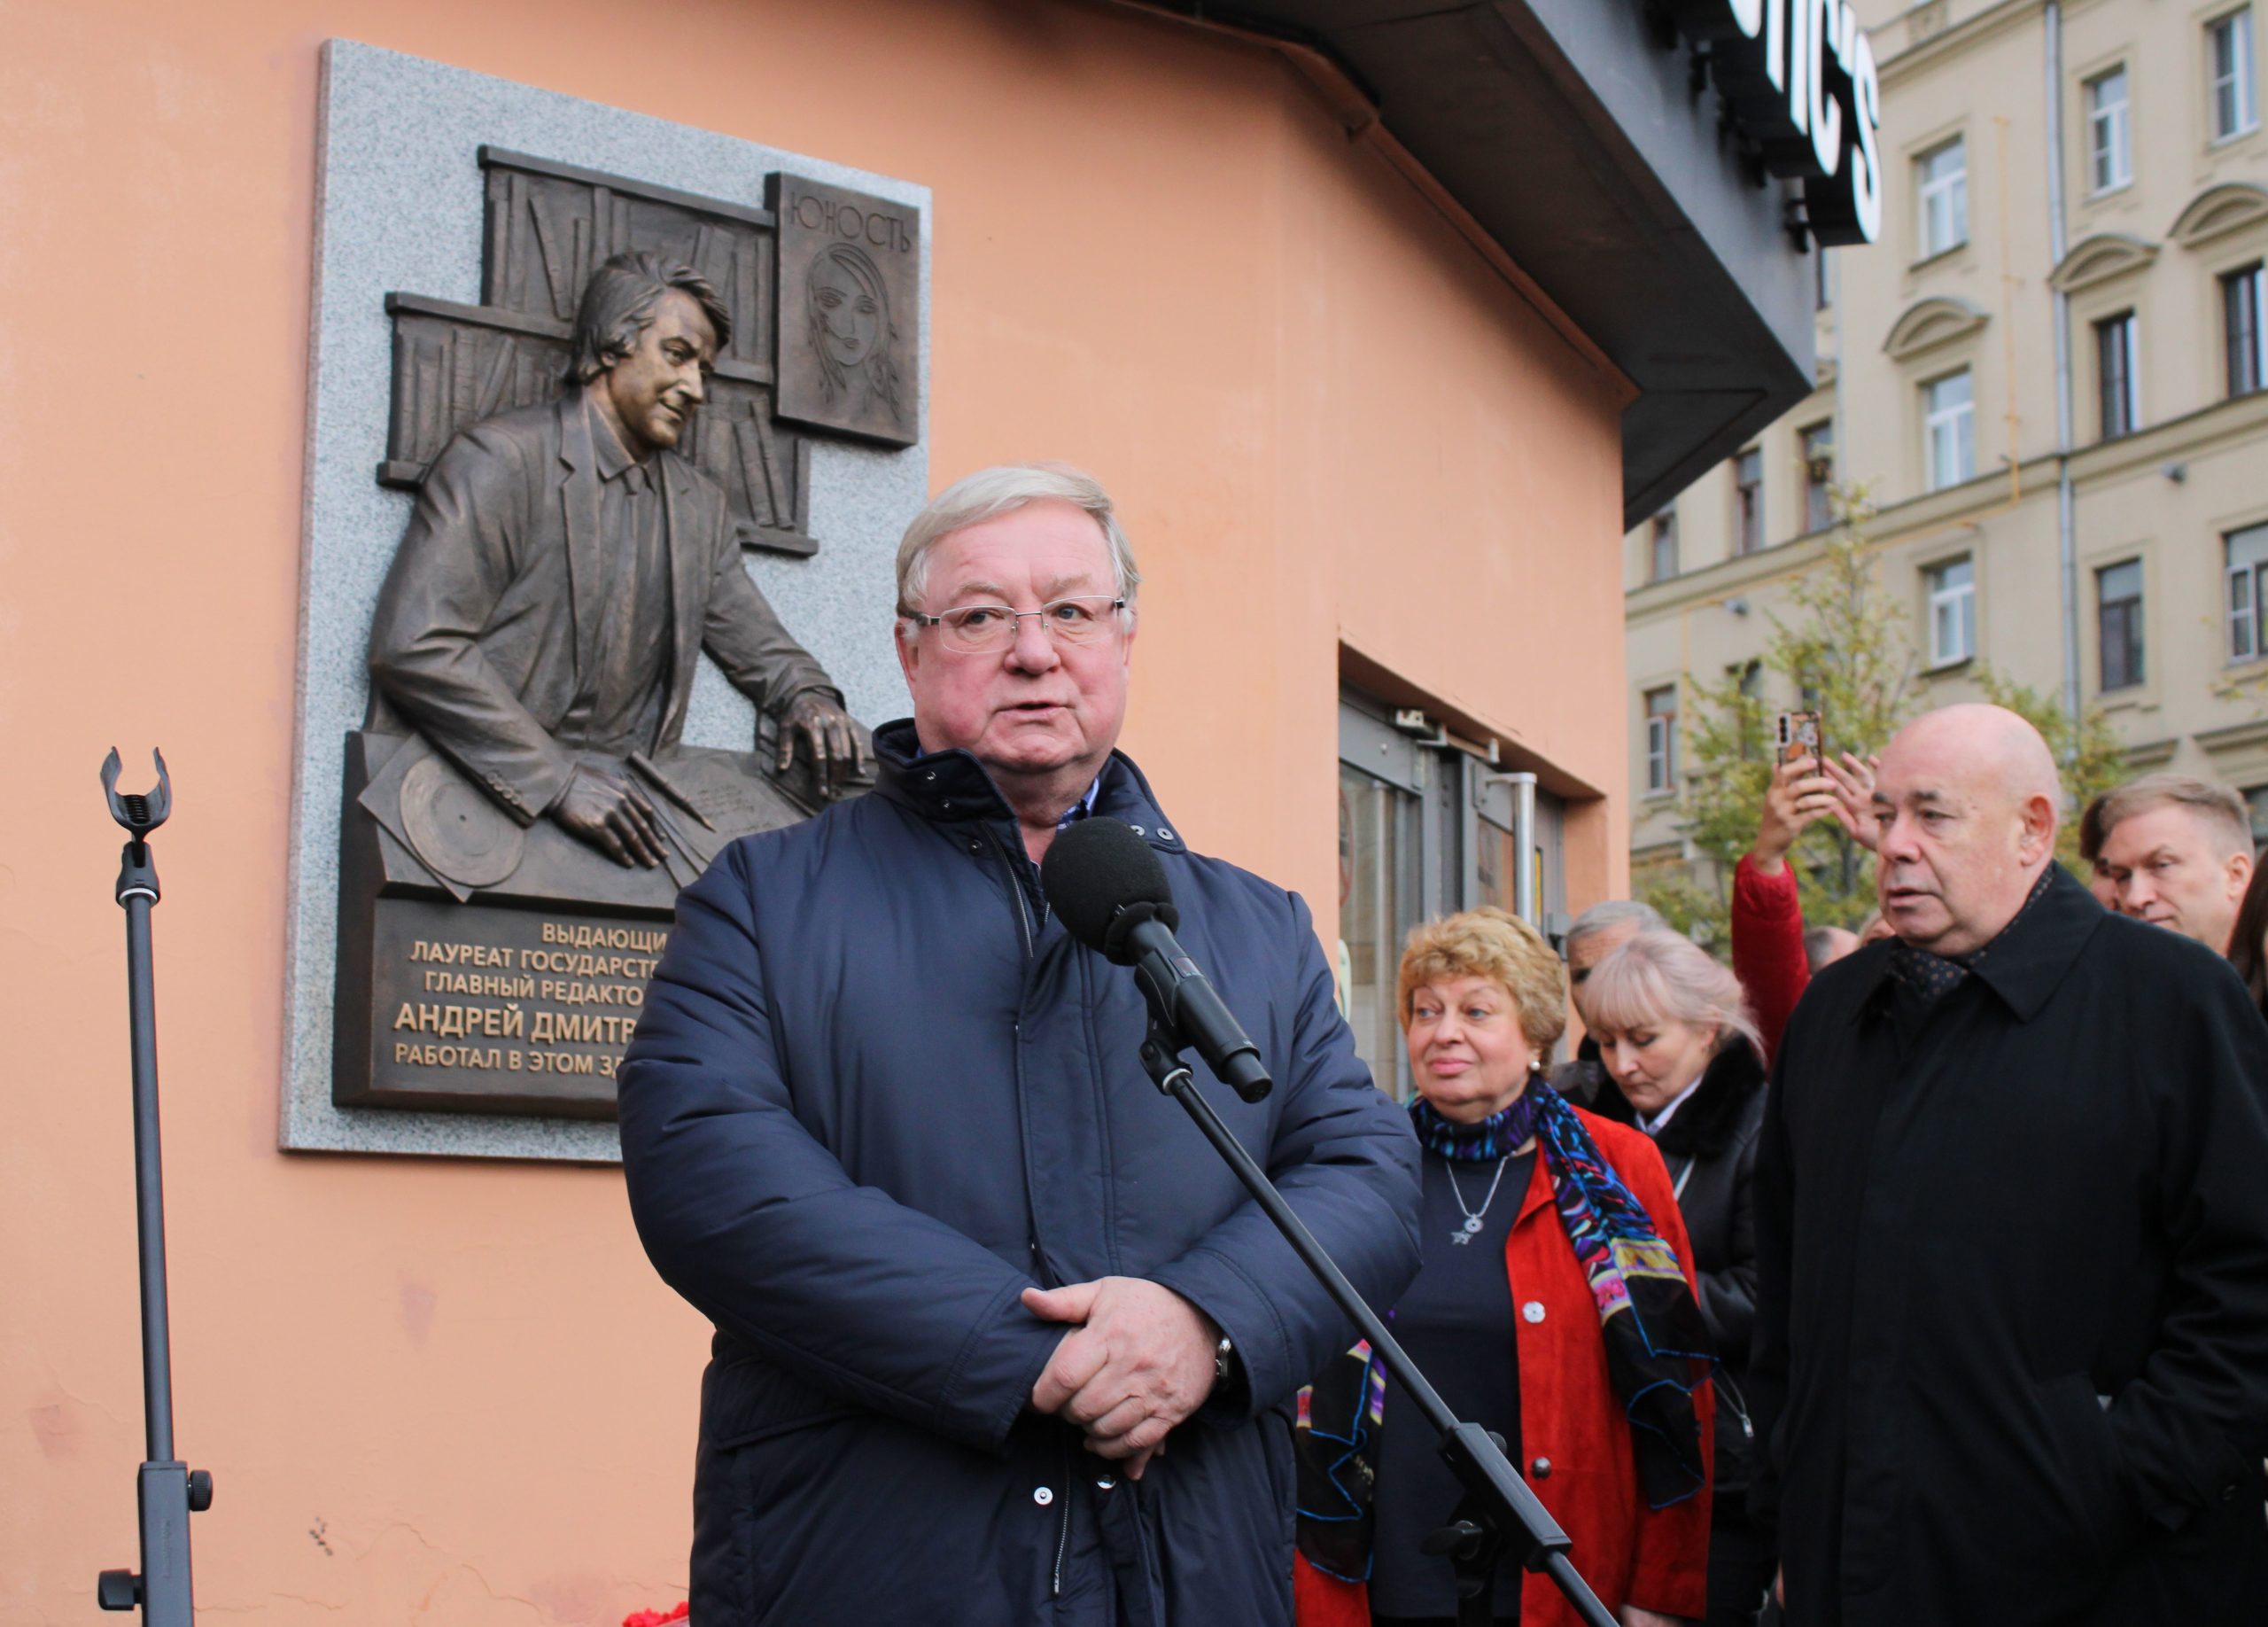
593 447
850 336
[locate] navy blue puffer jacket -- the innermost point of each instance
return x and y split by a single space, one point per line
876 1092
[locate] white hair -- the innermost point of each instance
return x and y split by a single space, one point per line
1663 976
1614 913
990 492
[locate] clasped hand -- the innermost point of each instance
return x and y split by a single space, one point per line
1139 1362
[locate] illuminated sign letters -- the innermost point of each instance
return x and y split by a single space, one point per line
1799 77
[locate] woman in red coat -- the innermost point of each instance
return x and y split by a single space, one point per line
1555 1307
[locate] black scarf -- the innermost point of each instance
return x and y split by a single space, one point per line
1922 979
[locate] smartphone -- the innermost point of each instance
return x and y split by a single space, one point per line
1797 733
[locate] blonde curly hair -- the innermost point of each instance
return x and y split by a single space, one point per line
1497 945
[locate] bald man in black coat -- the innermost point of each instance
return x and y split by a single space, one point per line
2012 1341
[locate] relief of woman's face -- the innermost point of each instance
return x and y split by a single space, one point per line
849 319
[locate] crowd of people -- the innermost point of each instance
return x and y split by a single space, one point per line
1909 1276
1984 1281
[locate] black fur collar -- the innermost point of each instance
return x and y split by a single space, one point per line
1704 1127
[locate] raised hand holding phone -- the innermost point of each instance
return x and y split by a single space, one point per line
1798 797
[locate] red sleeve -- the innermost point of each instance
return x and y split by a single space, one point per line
1669 1571
1768 947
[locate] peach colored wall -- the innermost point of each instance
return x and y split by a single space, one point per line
451 1393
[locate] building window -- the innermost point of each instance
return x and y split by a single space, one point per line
2255 799
1818 476
2110 152
1661 738
1823 286
2118 623
1664 546
2247 567
1748 501
1948 430
1748 677
2228 43
1953 611
2243 295
2117 390
1941 181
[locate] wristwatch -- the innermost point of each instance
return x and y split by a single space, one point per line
1224 1354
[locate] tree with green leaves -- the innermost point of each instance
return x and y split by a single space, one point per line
1844 648
1842 651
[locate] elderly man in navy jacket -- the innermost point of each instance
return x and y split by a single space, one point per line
998 1339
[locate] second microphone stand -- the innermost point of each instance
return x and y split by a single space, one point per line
1498 1510
167 1489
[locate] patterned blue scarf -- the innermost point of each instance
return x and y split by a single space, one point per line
1501 1134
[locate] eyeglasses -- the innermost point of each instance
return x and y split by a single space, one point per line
977 628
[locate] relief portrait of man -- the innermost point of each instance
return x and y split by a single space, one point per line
850 332
564 569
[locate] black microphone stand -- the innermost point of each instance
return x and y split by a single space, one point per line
168 1489
1498 1505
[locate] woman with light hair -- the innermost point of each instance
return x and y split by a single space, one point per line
1682 1055
1554 1307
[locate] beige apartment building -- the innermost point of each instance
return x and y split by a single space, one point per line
2047 377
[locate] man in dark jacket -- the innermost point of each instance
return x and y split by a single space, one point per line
999 1339
2012 1333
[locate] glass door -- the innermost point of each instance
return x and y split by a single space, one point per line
1382 792
1427 827
1495 827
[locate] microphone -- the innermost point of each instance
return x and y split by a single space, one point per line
1112 894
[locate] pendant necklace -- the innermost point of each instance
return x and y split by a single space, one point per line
1471 1229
